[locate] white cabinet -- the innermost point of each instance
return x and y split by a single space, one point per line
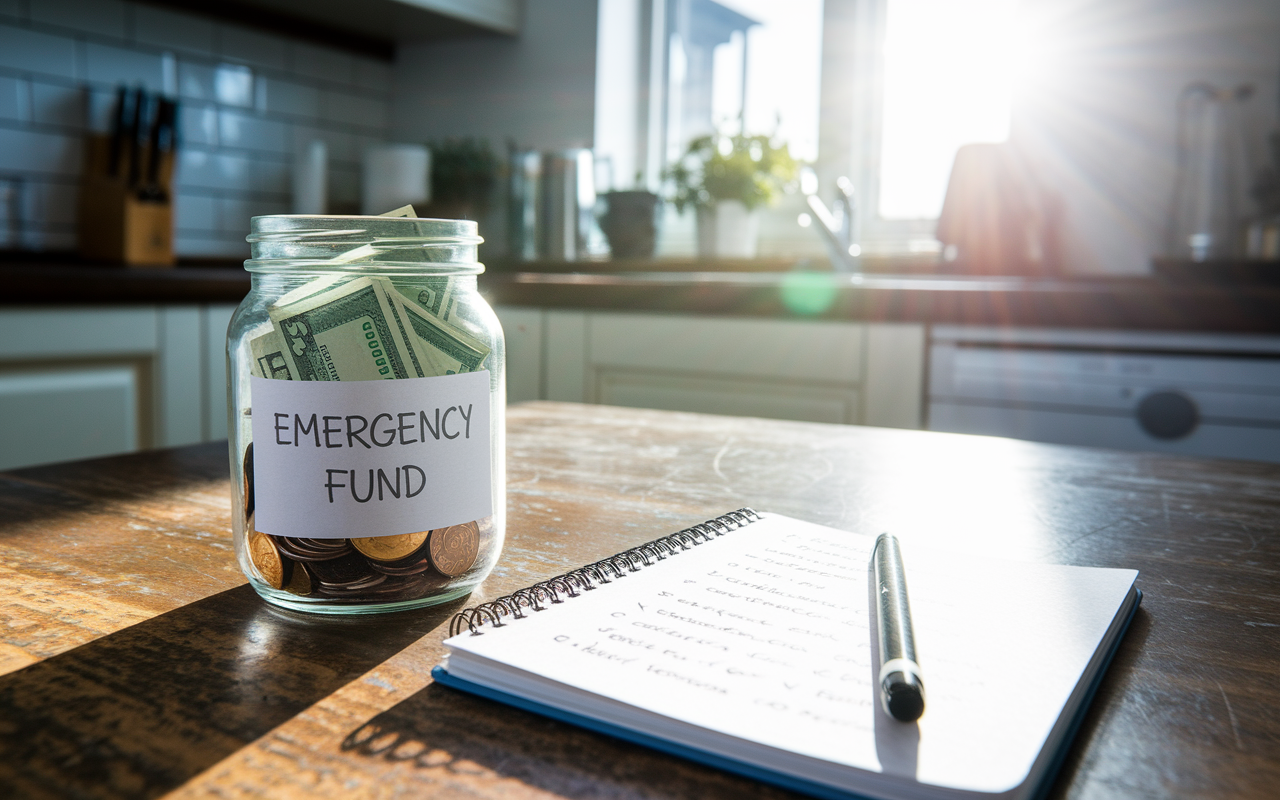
68 413
522 331
747 367
82 382
818 371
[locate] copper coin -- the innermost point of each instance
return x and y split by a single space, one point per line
390 548
248 480
453 549
267 560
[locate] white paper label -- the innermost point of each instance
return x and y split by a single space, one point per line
335 459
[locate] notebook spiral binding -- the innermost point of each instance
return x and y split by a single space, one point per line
584 579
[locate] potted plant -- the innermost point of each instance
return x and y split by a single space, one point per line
464 173
726 179
630 222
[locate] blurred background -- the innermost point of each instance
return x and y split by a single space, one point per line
1120 158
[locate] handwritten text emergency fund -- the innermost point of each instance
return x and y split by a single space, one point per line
392 456
385 429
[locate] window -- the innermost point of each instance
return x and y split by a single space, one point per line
783 70
927 76
899 85
671 70
947 82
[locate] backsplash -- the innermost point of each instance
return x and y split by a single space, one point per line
249 100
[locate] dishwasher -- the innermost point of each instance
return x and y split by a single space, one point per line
1212 395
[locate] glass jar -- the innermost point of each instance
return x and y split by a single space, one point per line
367 414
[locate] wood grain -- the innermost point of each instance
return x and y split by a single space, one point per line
195 688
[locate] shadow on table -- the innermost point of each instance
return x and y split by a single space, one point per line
1118 681
140 711
451 734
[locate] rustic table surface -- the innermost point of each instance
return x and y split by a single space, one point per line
135 661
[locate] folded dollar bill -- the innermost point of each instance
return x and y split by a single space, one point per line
363 329
351 327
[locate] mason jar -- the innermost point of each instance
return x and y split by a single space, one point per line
367 414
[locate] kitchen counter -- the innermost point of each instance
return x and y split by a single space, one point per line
737 289
1113 303
39 282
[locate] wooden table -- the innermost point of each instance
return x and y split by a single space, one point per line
136 661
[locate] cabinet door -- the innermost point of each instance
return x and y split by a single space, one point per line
522 331
820 371
69 413
739 397
82 382
784 369
216 320
75 383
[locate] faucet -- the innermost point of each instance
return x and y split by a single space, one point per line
838 227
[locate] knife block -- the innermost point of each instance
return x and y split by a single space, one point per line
116 225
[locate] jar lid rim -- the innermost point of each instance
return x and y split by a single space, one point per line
354 229
317 265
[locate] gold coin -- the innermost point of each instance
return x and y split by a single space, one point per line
300 581
390 548
266 559
453 549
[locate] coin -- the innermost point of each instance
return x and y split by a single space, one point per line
453 549
404 587
414 565
390 548
313 549
248 480
300 582
267 560
343 573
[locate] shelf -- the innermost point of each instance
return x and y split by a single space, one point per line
371 27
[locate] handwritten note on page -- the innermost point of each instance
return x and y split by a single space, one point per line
759 645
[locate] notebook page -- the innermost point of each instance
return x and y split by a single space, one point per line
764 635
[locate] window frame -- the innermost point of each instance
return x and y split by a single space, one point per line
851 125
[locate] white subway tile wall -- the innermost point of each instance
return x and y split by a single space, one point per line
249 99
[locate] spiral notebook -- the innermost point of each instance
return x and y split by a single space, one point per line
746 643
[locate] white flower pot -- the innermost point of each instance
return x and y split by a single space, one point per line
728 231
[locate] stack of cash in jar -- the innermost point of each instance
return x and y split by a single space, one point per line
345 328
362 329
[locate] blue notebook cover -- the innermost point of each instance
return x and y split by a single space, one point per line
752 771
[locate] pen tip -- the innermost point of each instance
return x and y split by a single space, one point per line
906 703
903 696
